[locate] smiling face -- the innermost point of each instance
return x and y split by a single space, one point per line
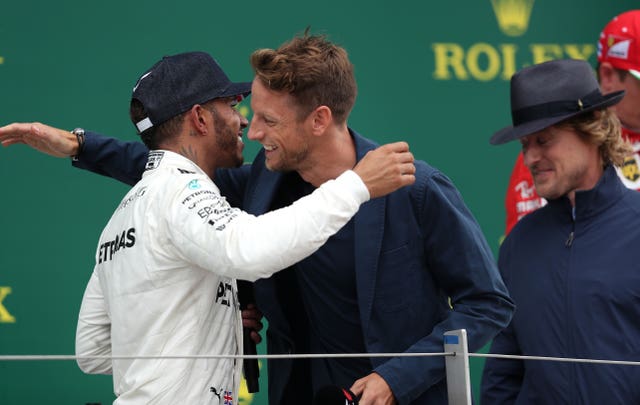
276 125
561 162
227 124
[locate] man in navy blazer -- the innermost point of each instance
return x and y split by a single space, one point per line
407 268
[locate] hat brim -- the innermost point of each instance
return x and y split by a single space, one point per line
236 89
512 133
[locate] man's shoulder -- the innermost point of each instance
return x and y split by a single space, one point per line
631 203
171 185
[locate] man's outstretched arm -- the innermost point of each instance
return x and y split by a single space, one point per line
123 161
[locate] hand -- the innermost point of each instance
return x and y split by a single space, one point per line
387 168
52 141
373 390
251 317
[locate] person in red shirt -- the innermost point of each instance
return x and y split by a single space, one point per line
618 69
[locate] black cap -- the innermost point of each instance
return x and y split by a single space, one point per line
176 83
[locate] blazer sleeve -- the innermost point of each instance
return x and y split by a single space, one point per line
502 379
462 265
120 160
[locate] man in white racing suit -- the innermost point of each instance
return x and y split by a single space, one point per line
163 294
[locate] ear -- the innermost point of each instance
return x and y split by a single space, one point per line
198 118
321 118
609 80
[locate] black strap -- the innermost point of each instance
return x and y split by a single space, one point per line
555 108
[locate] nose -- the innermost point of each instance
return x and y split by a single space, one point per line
255 133
531 155
243 121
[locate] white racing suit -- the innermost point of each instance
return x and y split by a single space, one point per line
164 279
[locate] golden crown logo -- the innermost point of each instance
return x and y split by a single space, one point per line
512 15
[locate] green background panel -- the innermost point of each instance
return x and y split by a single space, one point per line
432 73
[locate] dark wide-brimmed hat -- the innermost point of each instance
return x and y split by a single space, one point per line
545 94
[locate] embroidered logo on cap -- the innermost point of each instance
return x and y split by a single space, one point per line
619 49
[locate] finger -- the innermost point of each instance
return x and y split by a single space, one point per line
409 157
404 157
10 141
400 146
408 168
255 309
255 337
391 148
249 313
357 388
251 323
407 179
15 129
17 135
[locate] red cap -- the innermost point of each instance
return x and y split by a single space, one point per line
619 42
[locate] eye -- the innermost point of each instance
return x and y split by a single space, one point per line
233 102
269 121
541 140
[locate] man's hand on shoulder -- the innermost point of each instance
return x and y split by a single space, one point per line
52 141
387 168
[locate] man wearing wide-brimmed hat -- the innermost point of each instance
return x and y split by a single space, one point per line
571 266
618 69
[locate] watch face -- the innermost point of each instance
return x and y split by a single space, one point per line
79 133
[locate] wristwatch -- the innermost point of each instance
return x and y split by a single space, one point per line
79 133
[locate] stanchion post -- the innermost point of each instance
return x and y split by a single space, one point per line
458 380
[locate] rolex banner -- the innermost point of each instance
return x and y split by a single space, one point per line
435 74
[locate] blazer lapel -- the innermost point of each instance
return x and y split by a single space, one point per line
259 198
369 230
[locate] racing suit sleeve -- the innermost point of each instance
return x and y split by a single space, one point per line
207 231
123 161
93 334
